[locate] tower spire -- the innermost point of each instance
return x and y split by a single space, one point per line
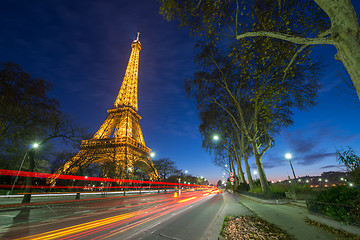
127 96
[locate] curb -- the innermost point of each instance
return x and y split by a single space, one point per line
212 233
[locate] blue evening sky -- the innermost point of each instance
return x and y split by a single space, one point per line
83 47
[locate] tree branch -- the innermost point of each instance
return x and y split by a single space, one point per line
286 37
321 35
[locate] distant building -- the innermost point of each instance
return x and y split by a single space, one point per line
327 179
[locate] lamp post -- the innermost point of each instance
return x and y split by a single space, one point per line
28 180
288 156
17 175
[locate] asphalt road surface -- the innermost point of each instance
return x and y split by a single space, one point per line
152 216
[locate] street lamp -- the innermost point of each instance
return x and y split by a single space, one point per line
28 180
35 145
288 156
216 137
255 173
152 154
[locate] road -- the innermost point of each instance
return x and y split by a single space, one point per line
152 216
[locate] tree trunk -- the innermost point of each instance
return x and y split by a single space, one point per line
345 33
248 173
258 161
236 178
240 174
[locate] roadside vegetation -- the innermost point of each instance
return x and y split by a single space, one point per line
341 203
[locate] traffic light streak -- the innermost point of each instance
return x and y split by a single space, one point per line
132 219
6 172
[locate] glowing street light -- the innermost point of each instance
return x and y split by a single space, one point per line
31 160
288 156
216 137
152 154
255 173
28 180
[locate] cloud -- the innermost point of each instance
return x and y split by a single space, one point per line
332 166
271 164
315 142
312 158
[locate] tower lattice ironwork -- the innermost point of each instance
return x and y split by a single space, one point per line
118 146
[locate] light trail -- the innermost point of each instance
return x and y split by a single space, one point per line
6 172
87 184
82 187
187 199
122 222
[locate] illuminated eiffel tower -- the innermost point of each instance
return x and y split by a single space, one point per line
118 146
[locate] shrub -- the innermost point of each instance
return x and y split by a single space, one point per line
274 193
228 186
355 212
243 187
279 187
256 189
339 194
340 202
297 188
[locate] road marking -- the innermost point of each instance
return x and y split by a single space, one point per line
83 211
163 235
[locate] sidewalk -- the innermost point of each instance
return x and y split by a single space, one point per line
289 216
231 207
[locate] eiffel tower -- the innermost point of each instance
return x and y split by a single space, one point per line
118 146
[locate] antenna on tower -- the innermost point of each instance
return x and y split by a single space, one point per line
137 39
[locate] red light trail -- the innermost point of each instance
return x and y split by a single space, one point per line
105 182
109 227
73 177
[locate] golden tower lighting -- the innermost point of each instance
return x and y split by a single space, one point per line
119 144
